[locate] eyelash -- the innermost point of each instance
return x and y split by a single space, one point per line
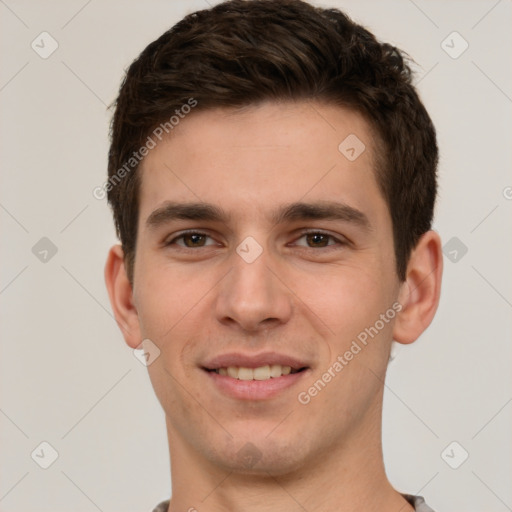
339 243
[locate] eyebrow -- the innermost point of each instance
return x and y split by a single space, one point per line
186 211
299 211
321 210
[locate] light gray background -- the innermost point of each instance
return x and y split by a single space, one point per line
66 375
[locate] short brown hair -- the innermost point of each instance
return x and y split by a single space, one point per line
243 52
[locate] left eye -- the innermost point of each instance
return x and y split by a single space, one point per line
318 239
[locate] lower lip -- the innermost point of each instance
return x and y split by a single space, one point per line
254 389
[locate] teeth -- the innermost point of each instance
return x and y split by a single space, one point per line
261 373
286 370
276 370
245 373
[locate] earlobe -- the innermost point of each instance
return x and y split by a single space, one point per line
121 296
420 292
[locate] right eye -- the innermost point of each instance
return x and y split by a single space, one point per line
191 240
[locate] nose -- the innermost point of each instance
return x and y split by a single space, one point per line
253 296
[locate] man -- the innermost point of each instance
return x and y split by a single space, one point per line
272 174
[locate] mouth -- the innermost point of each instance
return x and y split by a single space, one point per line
265 372
254 377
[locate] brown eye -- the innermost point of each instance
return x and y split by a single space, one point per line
194 239
191 240
317 239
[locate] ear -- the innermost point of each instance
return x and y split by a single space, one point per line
419 293
121 297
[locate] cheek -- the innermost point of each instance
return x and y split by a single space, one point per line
157 312
346 299
172 307
358 343
164 297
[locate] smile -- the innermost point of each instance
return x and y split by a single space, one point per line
261 373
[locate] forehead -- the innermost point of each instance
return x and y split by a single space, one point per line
255 158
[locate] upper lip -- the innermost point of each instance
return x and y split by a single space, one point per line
253 360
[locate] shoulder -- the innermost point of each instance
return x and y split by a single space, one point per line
417 502
162 507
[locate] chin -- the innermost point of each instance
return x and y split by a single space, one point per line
260 455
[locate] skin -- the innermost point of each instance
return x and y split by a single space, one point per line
304 296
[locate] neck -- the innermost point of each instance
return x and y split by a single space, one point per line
349 477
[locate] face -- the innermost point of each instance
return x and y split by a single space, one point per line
264 257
